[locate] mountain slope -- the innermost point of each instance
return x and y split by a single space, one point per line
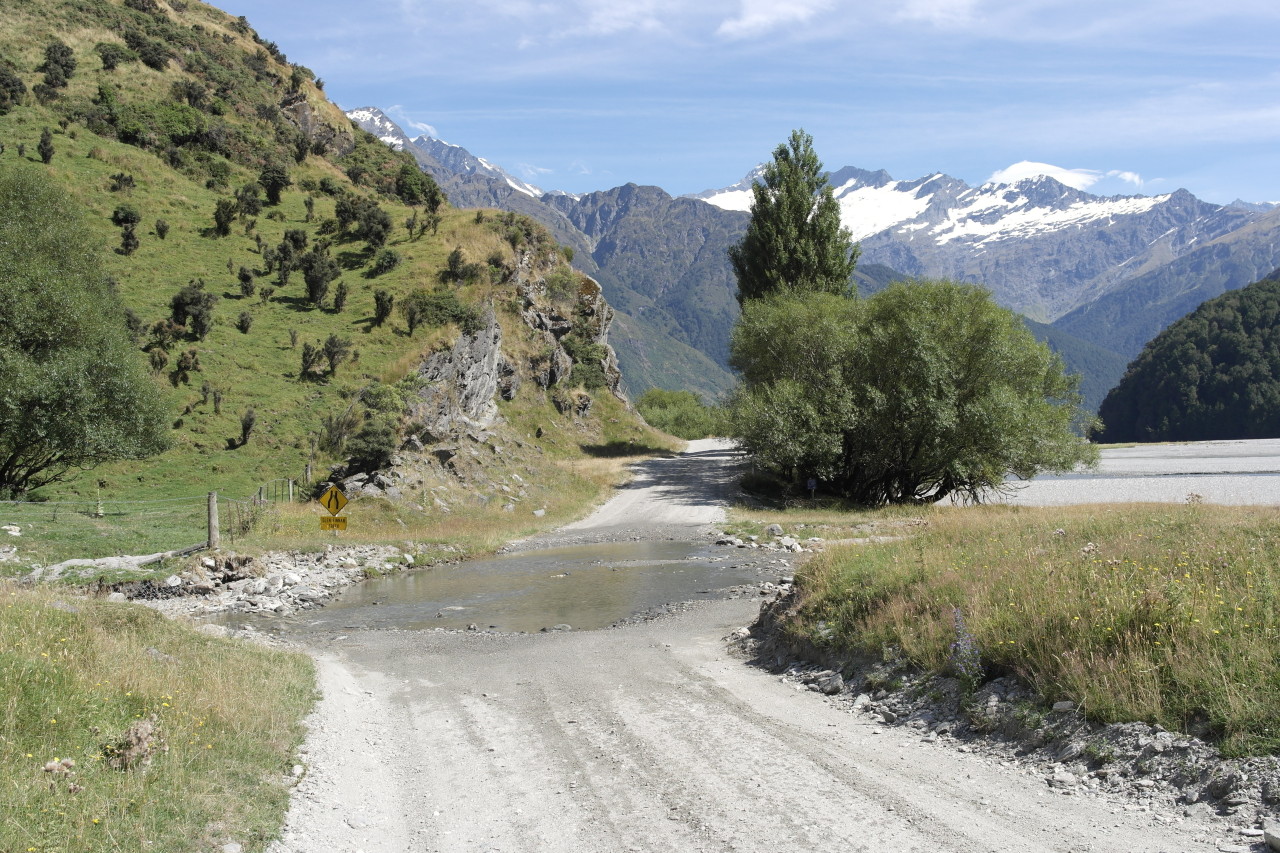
1137 310
186 135
1213 374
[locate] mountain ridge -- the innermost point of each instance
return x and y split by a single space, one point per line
1058 255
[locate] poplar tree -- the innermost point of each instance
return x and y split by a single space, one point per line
795 239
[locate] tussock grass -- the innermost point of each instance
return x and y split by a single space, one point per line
75 674
1138 612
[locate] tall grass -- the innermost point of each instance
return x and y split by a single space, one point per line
1137 612
76 674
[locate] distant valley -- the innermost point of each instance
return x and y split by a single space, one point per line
1097 277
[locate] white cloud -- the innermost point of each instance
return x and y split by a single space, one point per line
533 172
757 17
1128 177
1080 179
405 120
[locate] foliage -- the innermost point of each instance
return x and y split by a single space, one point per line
436 308
919 392
1214 374
114 55
795 239
192 306
1163 614
12 89
679 413
383 302
45 146
74 394
335 350
318 269
274 179
384 262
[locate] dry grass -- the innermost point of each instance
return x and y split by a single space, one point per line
76 674
1138 612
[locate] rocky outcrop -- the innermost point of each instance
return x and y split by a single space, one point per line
460 385
320 134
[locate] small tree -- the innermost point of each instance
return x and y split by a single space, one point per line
247 422
129 241
795 239
335 351
12 89
125 214
414 312
248 282
340 294
244 322
45 148
318 269
193 307
274 179
114 55
382 305
311 356
162 229
224 213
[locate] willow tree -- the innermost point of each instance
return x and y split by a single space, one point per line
795 239
75 393
923 391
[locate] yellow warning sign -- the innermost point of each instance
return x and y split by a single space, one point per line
333 522
333 500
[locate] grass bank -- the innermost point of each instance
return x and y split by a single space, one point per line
154 736
1165 614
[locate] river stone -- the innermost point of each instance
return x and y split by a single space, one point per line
773 530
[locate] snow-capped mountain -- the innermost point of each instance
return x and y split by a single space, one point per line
1042 247
434 153
1109 270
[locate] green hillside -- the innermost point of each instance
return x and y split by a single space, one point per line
165 112
1214 374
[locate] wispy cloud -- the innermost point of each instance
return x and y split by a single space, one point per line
397 112
757 17
533 172
1081 179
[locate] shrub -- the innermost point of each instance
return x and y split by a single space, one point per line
384 262
162 228
679 413
244 322
114 55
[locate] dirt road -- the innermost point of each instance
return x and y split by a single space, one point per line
651 737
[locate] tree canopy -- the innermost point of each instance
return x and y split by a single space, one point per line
922 391
74 391
795 239
1214 374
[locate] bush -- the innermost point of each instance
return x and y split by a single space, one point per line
384 262
679 413
244 322
924 390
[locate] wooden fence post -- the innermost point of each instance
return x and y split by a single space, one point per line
213 521
291 491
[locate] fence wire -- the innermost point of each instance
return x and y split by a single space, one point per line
46 532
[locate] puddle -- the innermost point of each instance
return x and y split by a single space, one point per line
585 586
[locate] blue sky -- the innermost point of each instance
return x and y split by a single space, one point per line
1120 96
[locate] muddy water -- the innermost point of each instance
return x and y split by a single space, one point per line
584 586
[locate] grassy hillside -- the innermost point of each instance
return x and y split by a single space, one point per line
212 109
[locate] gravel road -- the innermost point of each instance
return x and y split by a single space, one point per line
651 737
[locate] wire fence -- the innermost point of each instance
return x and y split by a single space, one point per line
47 532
